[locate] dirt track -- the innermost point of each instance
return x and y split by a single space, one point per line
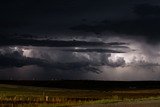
154 103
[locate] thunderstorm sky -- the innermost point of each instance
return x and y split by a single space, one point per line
80 39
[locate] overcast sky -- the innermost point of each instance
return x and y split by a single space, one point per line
80 39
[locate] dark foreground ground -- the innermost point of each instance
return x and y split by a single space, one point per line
86 84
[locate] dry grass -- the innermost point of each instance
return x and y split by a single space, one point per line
46 97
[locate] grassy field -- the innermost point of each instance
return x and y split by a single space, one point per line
28 96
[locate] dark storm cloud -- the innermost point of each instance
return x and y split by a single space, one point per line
49 43
147 10
93 50
146 23
41 15
26 40
15 59
56 16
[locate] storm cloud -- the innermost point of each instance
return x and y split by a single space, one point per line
93 50
80 39
11 58
145 23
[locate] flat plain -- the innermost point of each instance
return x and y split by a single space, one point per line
56 94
